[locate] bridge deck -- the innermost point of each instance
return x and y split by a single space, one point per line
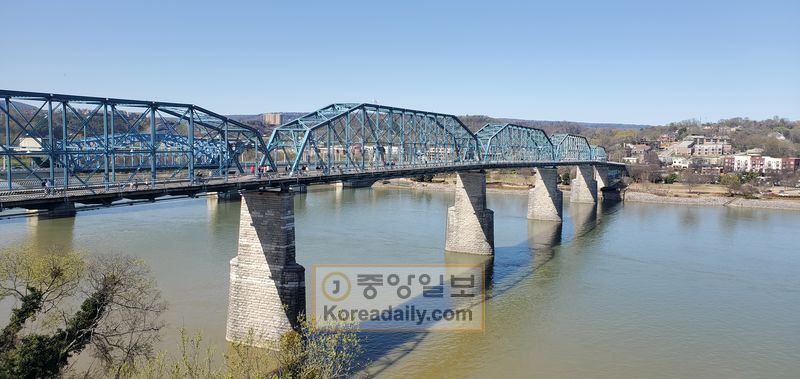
102 194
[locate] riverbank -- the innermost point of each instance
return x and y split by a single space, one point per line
644 197
715 197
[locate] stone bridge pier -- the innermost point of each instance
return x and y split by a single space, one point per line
545 200
584 186
267 285
470 225
602 179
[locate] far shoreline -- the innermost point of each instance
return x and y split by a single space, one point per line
632 195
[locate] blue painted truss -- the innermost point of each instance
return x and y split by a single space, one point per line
85 141
362 137
509 142
88 142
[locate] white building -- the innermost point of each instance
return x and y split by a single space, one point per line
741 163
774 164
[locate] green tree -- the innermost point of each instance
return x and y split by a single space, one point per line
731 181
310 352
117 318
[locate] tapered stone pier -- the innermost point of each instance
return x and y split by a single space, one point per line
545 200
601 177
470 225
267 287
584 186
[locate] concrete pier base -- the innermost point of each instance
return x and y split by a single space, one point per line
470 225
62 210
359 183
584 186
267 287
545 200
232 195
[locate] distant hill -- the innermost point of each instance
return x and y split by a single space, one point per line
22 107
473 122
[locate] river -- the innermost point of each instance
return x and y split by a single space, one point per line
634 290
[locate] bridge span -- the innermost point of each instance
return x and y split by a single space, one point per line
92 150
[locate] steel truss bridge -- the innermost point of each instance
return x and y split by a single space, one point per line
99 150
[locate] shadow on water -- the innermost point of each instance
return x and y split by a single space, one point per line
383 349
510 266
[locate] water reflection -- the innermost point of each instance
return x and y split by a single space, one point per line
50 234
544 236
554 309
584 218
689 217
485 262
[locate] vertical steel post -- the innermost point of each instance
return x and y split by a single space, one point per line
190 135
105 152
153 144
64 151
257 160
51 141
347 141
402 137
330 160
113 147
8 145
363 127
389 137
227 147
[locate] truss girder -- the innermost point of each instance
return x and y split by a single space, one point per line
570 147
510 142
599 153
79 140
363 137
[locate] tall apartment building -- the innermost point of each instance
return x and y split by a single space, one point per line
758 163
273 118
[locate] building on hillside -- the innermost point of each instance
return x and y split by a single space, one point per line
791 164
684 148
638 149
680 162
665 139
758 163
711 170
711 149
703 140
709 146
727 163
272 118
773 164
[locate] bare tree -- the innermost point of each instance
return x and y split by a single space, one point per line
117 316
131 324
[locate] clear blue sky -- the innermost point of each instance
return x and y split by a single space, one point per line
603 61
